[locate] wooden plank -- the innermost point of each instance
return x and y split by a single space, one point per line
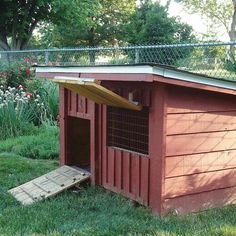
135 175
202 201
118 172
144 180
201 122
63 124
111 166
200 142
185 185
157 147
196 85
49 184
126 172
182 100
88 94
197 163
93 90
104 145
114 98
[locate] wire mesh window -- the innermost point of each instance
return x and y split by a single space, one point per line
128 129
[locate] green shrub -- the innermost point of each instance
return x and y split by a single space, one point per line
49 94
43 145
16 74
20 110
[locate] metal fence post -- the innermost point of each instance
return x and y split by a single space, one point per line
46 57
136 59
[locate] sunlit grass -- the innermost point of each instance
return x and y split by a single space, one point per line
93 211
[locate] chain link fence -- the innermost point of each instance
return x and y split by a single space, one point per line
211 59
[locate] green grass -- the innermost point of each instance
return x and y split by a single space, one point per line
43 145
93 211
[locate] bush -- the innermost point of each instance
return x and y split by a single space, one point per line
16 74
19 111
49 94
42 145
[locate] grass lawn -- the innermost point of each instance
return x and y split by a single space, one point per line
93 211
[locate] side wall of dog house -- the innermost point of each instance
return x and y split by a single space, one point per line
200 163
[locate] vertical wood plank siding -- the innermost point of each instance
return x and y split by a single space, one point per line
200 150
124 171
63 110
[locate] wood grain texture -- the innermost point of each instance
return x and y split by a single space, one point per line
197 183
201 201
157 147
198 163
187 100
63 93
201 122
49 185
200 142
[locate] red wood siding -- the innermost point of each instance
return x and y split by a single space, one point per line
124 171
135 175
73 105
200 150
79 106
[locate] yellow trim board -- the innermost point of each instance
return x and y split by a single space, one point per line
92 90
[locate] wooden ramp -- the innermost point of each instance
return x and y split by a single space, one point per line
49 184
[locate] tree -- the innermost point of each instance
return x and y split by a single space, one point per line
152 25
221 13
96 24
19 18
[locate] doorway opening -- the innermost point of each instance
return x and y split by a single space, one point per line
78 143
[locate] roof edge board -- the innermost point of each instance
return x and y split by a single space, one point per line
143 69
179 75
140 69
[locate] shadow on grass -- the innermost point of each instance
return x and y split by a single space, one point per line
93 211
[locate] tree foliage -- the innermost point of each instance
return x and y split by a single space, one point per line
220 12
151 24
96 22
19 18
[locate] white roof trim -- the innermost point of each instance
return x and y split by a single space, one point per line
142 69
146 69
179 75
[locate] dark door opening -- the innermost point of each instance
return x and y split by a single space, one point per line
78 143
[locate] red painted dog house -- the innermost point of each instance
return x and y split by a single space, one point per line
174 150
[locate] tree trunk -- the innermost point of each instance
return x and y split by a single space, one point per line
232 33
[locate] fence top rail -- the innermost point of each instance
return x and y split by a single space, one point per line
121 47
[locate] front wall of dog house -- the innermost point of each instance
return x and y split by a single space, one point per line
135 175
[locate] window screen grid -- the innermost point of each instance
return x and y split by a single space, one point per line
128 129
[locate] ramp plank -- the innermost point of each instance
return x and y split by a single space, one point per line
49 184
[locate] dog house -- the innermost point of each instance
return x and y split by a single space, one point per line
163 137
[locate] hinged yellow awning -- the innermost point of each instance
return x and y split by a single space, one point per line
91 89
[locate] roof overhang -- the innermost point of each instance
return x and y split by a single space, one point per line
144 73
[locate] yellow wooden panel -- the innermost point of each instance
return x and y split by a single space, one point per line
92 90
86 93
